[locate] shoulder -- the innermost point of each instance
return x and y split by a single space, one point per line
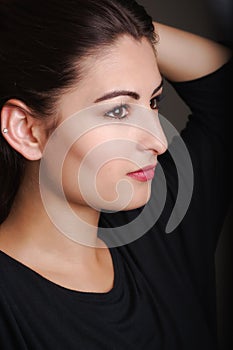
8 273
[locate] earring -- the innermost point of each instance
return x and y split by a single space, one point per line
5 131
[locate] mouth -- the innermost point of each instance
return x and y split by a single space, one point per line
144 174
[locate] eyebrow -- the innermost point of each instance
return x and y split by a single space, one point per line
132 94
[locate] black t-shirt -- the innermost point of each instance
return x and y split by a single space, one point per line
164 288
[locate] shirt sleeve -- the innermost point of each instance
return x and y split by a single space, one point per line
207 136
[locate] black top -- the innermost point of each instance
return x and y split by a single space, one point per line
164 288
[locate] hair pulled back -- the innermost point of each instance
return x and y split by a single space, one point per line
41 45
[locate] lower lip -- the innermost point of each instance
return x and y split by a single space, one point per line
143 176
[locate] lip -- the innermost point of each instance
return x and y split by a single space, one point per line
144 174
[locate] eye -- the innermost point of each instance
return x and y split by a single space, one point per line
154 102
118 112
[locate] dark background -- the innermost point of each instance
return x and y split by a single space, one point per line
212 19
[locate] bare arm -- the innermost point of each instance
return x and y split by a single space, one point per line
184 56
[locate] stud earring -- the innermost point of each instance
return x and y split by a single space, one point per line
5 131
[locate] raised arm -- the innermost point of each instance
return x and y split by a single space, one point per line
184 56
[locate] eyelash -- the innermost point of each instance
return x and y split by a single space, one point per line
157 99
118 108
126 107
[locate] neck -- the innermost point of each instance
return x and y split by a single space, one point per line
31 234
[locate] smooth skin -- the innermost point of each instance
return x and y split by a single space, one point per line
184 56
33 239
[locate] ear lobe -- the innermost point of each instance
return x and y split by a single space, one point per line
20 125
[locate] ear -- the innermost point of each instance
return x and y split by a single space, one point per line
21 130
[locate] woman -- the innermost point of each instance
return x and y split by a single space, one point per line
71 75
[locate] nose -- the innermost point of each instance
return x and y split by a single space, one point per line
153 137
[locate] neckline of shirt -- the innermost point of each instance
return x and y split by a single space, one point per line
84 296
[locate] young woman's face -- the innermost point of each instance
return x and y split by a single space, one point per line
116 126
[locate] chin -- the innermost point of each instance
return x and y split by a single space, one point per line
137 205
137 202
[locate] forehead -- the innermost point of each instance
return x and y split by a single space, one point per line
126 59
128 64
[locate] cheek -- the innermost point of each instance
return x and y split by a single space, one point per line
116 190
109 180
88 174
91 176
70 174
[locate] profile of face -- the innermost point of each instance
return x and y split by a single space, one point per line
114 129
108 128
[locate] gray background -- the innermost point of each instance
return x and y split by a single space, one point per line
212 19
